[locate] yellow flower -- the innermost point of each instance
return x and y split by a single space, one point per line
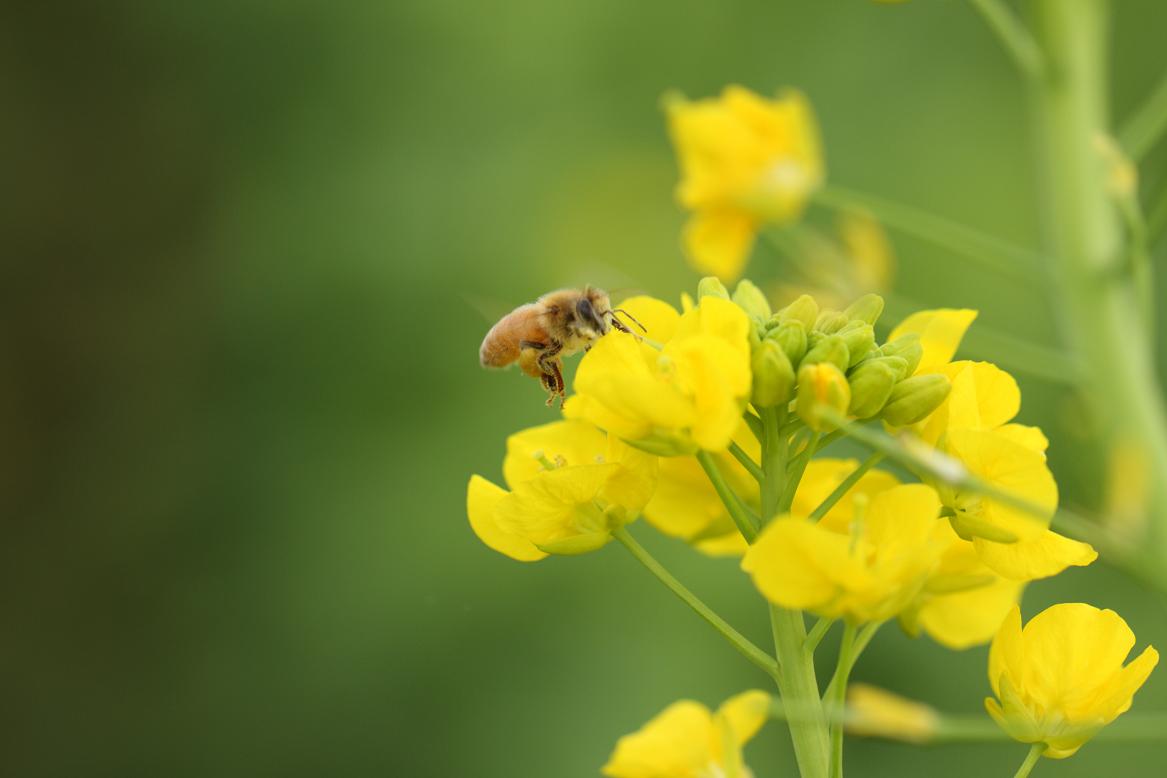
1061 678
686 506
868 570
687 396
963 601
687 740
820 479
744 161
974 424
571 485
875 712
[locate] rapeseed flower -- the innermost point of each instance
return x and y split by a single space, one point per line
974 425
745 161
687 395
570 486
687 740
1061 678
866 570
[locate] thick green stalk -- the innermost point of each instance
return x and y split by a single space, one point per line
1082 240
796 681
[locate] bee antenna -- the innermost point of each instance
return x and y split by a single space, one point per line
615 311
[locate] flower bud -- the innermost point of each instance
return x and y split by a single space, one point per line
804 309
821 386
791 336
710 286
867 308
871 386
906 346
831 348
773 381
830 322
751 300
860 339
914 398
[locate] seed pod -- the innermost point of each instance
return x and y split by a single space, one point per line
804 309
751 300
831 348
914 398
867 308
821 386
773 382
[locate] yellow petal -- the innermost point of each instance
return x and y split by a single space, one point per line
570 442
557 505
1030 437
1005 653
658 317
745 713
798 565
674 743
940 334
719 242
821 478
969 618
1032 558
482 497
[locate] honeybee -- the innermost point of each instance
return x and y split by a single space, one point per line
538 335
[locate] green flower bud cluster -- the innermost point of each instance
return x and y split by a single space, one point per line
878 379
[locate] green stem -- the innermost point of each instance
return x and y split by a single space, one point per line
991 253
845 485
745 461
775 450
797 681
1146 126
1082 240
1139 259
816 634
1016 39
799 688
737 511
1030 760
838 700
739 641
797 468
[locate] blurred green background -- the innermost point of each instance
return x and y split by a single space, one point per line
250 250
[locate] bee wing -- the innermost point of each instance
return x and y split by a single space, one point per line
491 309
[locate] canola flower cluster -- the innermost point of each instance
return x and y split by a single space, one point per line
714 427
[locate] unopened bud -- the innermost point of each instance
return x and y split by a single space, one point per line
791 336
804 309
821 386
914 398
831 348
906 346
773 376
751 300
871 386
860 339
830 322
867 308
710 286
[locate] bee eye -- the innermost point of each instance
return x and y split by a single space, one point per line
584 308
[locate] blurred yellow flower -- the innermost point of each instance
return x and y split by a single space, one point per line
875 712
571 485
686 506
821 478
687 396
687 740
867 570
745 161
1061 678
